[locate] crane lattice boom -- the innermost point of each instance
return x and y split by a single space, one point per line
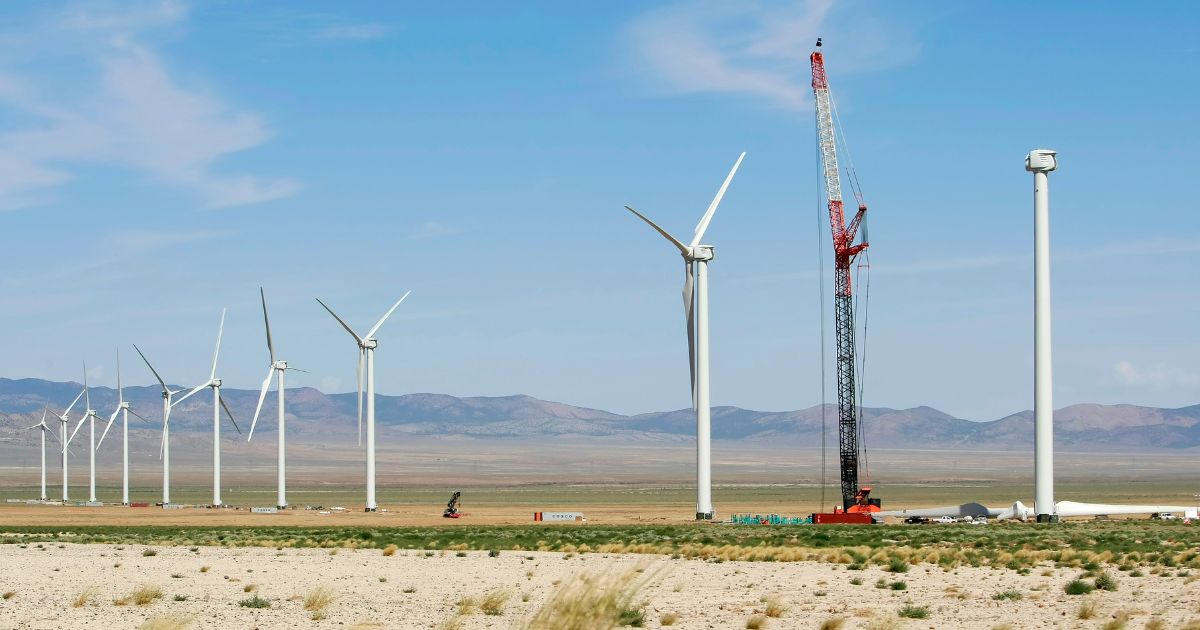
844 252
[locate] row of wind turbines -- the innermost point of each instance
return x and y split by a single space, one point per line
696 257
275 371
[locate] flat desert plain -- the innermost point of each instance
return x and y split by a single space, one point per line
79 586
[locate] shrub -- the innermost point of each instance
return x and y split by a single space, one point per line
149 552
857 581
180 598
1118 622
493 603
460 554
756 622
1078 587
881 583
668 619
204 569
899 586
410 589
176 575
588 601
1106 582
1009 594
634 617
390 550
897 565
493 553
1087 609
255 602
249 588
913 612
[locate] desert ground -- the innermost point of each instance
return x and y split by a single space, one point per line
81 586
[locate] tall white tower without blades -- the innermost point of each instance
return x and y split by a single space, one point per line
1040 162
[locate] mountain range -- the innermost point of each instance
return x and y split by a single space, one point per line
1083 427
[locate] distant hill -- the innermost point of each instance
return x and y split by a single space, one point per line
332 416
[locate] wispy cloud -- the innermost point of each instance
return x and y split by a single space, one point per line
121 108
758 49
366 31
1157 376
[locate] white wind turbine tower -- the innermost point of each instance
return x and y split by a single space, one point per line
164 450
366 354
218 403
64 418
695 308
43 430
277 369
124 410
90 416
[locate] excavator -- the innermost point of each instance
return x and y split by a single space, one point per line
451 510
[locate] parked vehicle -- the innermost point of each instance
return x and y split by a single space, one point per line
945 520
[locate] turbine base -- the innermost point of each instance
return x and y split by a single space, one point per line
1047 518
370 509
704 516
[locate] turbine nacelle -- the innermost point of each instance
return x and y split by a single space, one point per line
216 382
279 365
702 253
369 344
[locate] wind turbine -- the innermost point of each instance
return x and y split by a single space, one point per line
64 418
695 308
366 353
218 403
164 450
44 430
90 416
276 369
124 410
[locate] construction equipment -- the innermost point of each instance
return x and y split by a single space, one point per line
844 253
451 510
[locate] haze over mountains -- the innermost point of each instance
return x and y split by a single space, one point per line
1085 427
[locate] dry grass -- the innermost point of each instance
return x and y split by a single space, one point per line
205 569
1087 610
9 594
668 619
166 622
467 606
774 607
1155 623
390 550
85 596
1118 622
833 623
453 622
144 595
590 602
317 602
249 588
756 622
493 603
884 623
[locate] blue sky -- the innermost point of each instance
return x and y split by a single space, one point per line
160 161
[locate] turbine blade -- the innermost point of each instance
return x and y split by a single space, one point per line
107 427
712 207
220 330
362 355
71 406
683 249
51 433
194 390
689 286
267 323
78 425
342 322
138 415
160 379
33 427
293 369
87 395
120 392
261 397
230 414
375 328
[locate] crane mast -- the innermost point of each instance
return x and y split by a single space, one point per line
844 251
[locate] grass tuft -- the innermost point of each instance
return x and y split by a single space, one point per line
774 606
913 612
145 594
85 596
1010 594
668 619
249 588
897 565
1118 622
756 622
493 603
390 550
1087 609
317 602
167 622
833 623
1078 587
1106 582
9 594
149 552
587 601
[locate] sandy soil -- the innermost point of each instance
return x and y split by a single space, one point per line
45 583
